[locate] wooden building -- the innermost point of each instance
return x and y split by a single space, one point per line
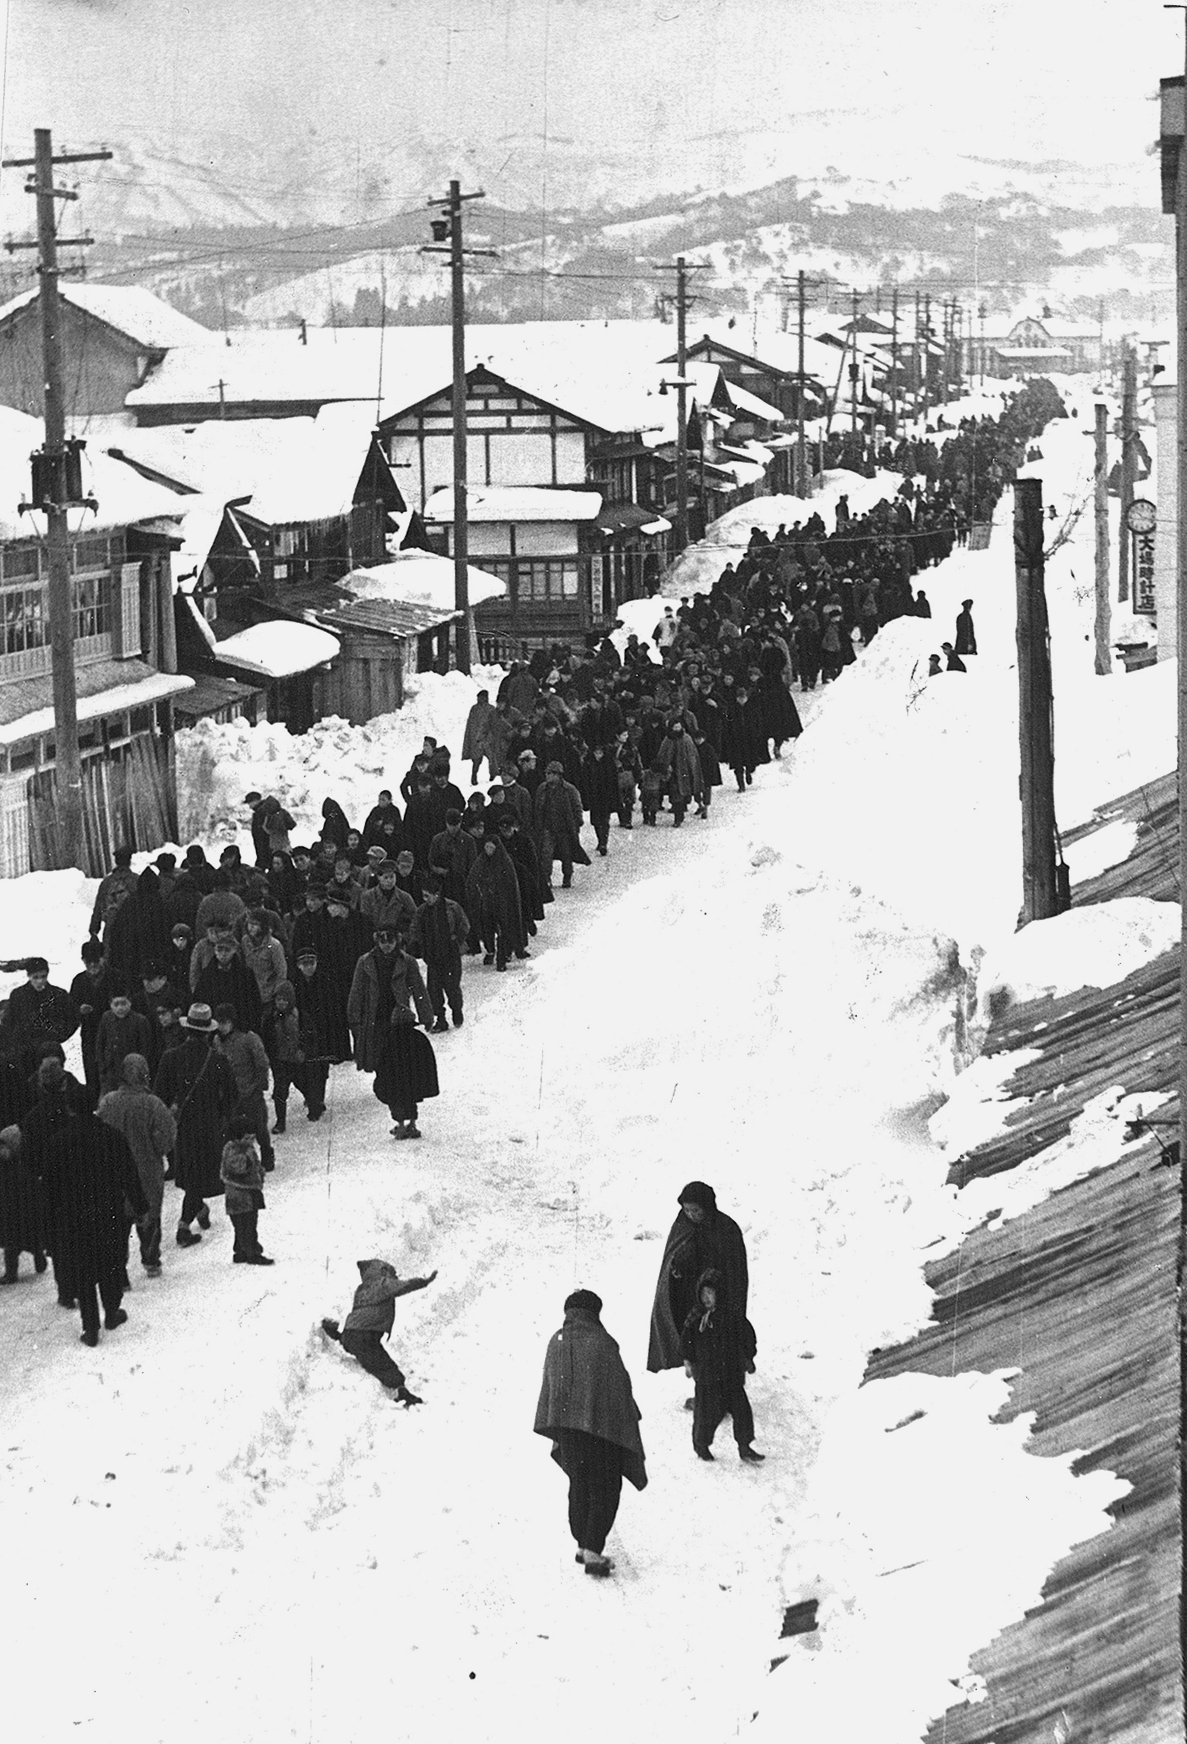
112 338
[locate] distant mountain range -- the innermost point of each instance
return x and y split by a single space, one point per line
274 254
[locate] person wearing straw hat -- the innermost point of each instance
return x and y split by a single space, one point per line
197 1085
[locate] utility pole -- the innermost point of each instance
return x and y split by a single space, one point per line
894 361
448 231
801 458
682 269
1129 436
58 482
926 358
1104 653
1035 731
853 370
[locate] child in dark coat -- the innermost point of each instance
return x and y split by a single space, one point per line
719 1348
370 1321
710 774
242 1174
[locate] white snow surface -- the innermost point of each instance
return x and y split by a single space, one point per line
278 648
291 1556
421 578
1094 946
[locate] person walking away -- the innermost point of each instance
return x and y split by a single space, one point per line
370 1322
701 1236
242 1175
198 1087
966 635
406 1068
89 1181
439 933
22 1225
588 1411
150 1132
719 1348
244 1052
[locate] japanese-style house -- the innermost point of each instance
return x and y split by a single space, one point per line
124 655
112 337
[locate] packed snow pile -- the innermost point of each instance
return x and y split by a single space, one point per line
1095 946
218 763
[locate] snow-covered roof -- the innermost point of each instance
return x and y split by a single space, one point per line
421 578
137 693
278 649
516 503
744 401
130 309
123 496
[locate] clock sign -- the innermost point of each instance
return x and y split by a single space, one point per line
1141 516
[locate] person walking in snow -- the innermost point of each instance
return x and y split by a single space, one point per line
150 1132
719 1348
966 635
558 816
588 1411
438 936
677 757
387 1001
198 1087
370 1322
242 1174
22 1224
474 739
701 1236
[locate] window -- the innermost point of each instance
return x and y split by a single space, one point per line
24 619
93 552
92 615
142 720
21 560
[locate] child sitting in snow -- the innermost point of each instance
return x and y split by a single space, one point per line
242 1174
370 1321
651 791
718 1345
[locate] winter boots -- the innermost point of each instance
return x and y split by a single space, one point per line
187 1237
278 1125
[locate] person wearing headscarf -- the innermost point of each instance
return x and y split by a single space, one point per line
150 1132
701 1236
588 1411
493 904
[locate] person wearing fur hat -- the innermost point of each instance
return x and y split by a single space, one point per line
588 1411
370 1322
701 1236
719 1347
198 1087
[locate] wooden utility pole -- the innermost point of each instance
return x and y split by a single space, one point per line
1104 652
449 232
682 269
1035 728
1129 436
853 367
56 489
1180 210
926 358
894 362
802 488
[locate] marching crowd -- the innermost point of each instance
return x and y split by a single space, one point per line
206 990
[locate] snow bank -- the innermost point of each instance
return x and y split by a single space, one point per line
1086 947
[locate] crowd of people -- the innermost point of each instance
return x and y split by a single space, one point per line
206 992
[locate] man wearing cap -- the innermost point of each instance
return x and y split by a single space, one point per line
315 1019
369 873
227 980
247 1057
309 926
451 855
966 635
114 888
198 1087
558 819
439 933
474 740
517 797
385 904
702 1237
588 1411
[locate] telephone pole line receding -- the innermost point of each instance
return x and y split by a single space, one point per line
447 239
682 268
57 481
802 482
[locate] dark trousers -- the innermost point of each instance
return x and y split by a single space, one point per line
444 982
247 1242
255 1109
594 1470
601 824
191 1203
148 1228
495 942
308 1076
716 1397
108 1287
367 1349
12 1260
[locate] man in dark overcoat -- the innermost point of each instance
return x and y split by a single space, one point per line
198 1087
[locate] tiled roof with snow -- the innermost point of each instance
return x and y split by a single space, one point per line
130 309
487 503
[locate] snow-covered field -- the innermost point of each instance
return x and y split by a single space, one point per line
230 1532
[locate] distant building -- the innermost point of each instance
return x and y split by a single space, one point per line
112 337
1032 344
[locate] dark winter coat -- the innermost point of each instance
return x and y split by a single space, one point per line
138 933
236 986
198 1087
423 819
35 1018
91 1190
117 1038
335 826
321 1016
689 1250
439 932
380 985
451 856
681 765
718 1342
492 896
558 817
599 784
966 636
586 1387
22 1223
474 739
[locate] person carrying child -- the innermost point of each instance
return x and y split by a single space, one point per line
242 1175
719 1346
370 1321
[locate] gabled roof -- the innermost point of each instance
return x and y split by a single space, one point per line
130 310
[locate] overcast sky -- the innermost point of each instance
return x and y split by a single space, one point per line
711 91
